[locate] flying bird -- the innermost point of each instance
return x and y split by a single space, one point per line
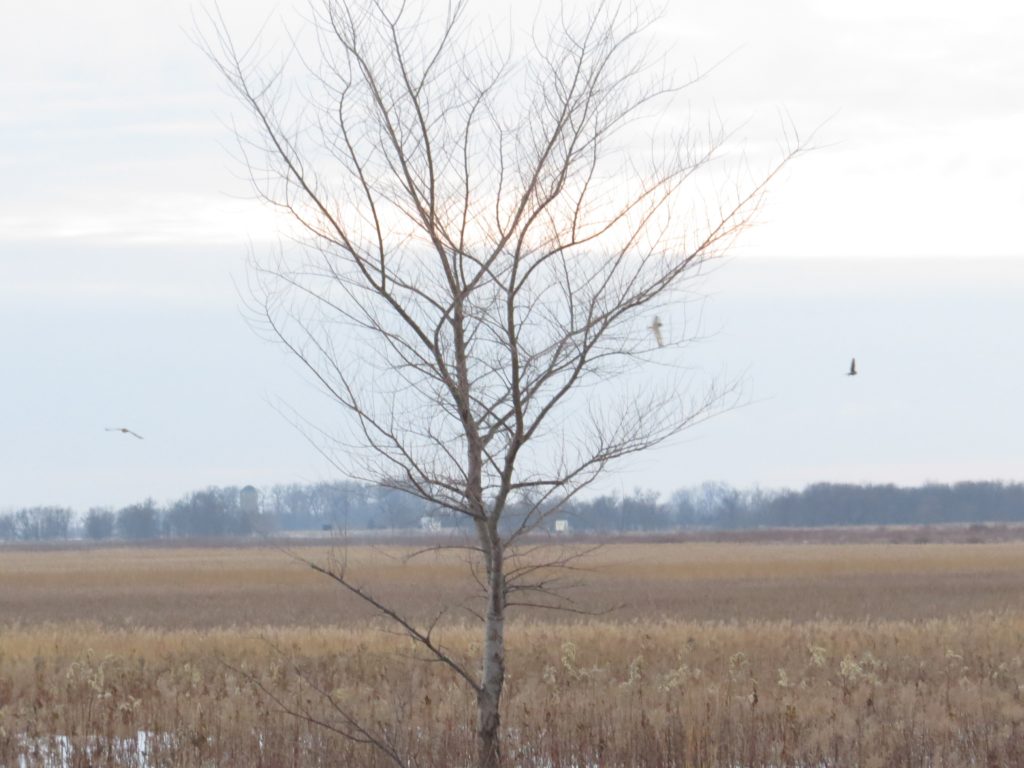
853 367
125 430
656 328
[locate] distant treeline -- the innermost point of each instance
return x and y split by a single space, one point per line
215 512
352 506
831 504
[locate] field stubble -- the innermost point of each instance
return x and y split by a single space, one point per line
724 654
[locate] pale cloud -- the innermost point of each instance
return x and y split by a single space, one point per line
149 218
117 128
124 227
950 189
902 60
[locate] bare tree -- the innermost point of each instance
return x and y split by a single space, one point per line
481 242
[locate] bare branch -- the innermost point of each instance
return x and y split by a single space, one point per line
479 244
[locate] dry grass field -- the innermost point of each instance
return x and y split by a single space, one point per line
721 654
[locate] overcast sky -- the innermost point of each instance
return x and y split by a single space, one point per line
124 229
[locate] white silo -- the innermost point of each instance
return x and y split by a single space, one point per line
249 500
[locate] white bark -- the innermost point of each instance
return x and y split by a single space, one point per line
492 677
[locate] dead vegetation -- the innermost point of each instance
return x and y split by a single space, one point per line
204 588
727 654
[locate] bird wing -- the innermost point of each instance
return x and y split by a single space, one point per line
656 327
125 430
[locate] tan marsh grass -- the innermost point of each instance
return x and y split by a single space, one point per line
913 665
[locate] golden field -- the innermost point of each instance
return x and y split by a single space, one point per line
721 654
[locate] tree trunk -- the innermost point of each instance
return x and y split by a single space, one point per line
492 676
